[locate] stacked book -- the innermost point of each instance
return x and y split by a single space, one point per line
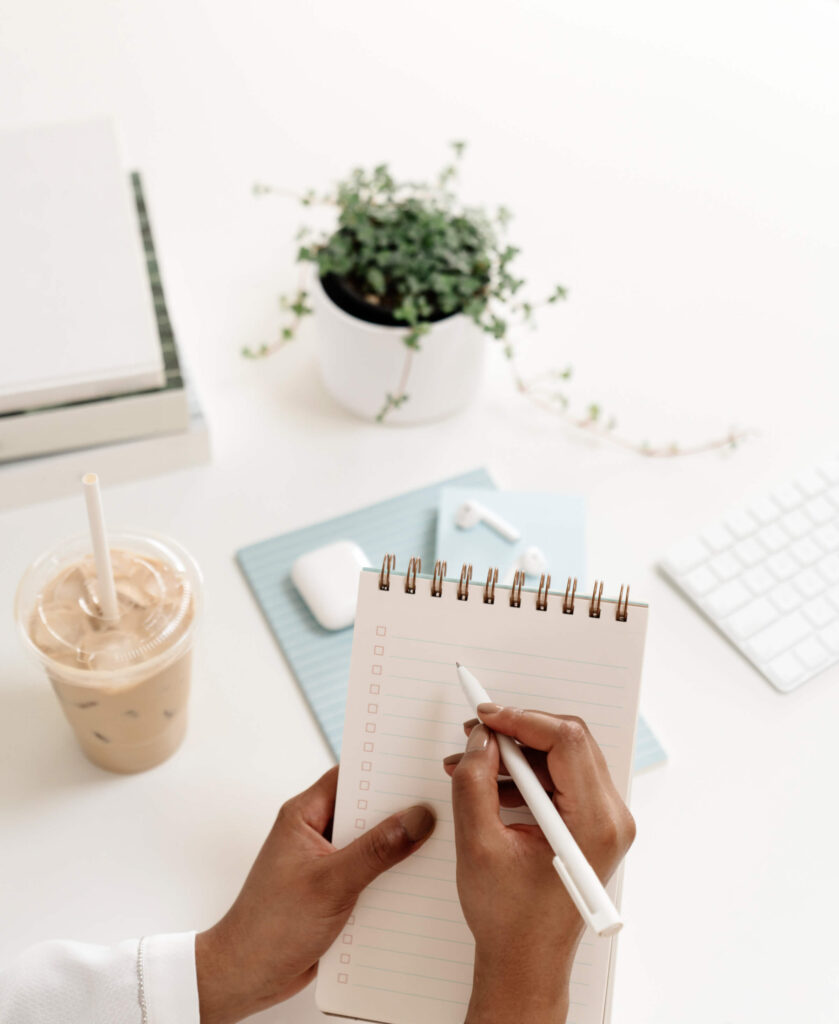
91 379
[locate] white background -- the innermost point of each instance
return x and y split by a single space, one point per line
675 166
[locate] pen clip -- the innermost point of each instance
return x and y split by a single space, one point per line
604 922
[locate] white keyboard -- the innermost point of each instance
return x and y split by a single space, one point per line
767 575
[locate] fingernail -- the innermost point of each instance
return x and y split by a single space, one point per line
489 709
470 723
452 758
478 738
417 821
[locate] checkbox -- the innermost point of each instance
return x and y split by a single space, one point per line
366 766
372 709
364 784
360 823
368 747
342 979
376 670
378 650
346 939
375 688
370 727
345 958
362 805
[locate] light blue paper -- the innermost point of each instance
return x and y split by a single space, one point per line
320 659
554 523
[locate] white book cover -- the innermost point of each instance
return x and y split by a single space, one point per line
405 955
76 315
28 481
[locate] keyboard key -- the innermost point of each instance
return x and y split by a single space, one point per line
726 566
788 496
785 597
821 511
833 494
781 565
740 523
811 652
808 583
819 611
785 671
717 537
784 633
699 581
727 598
758 580
686 555
751 618
832 593
765 510
773 537
829 568
810 482
805 551
749 551
830 636
796 523
830 470
827 536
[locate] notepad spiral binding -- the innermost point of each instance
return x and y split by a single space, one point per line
438 579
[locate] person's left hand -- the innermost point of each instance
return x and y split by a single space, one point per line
294 903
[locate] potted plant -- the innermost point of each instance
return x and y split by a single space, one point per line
408 285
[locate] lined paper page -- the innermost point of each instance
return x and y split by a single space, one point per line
406 953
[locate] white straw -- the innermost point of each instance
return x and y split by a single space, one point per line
101 554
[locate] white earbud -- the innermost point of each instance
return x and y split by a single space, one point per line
470 513
531 561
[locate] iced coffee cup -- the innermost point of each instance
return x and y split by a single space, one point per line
123 682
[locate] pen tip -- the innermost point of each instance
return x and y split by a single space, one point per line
458 664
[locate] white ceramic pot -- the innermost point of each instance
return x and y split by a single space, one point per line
362 363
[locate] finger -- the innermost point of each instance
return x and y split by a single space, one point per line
475 790
574 760
470 724
391 841
509 795
536 759
316 805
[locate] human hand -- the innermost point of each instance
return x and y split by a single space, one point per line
294 903
525 924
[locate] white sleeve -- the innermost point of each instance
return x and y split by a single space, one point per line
150 981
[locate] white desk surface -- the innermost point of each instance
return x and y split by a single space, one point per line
676 167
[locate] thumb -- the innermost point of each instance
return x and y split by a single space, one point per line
391 841
475 789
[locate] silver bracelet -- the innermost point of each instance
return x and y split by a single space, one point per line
141 983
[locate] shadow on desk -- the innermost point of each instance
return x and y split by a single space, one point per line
39 756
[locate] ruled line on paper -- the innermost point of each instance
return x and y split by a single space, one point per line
417 995
412 974
417 935
505 650
422 956
501 689
505 671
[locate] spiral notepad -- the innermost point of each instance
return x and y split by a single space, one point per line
405 955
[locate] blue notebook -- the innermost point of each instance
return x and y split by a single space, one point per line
319 658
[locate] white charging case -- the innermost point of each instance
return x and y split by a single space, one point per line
327 579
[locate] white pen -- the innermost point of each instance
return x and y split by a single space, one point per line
578 876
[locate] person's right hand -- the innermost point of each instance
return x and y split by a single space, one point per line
525 925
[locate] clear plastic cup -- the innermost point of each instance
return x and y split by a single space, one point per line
123 686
